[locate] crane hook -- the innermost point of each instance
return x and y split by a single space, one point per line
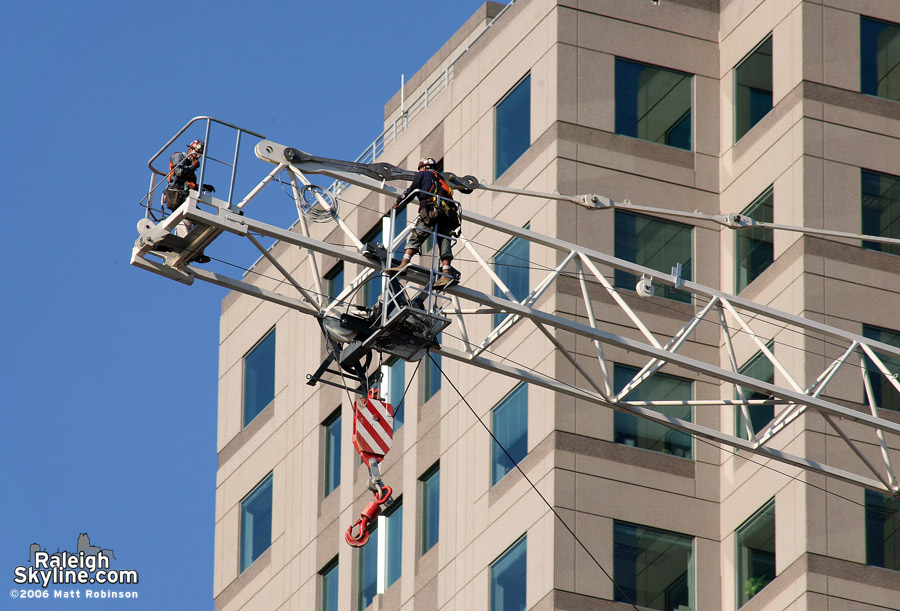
366 517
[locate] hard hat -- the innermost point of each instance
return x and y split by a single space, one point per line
196 147
427 162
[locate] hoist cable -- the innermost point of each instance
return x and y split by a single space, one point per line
533 486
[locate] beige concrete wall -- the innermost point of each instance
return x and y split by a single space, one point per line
810 147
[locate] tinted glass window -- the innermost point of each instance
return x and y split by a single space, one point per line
256 523
754 249
879 54
512 117
881 209
653 103
259 377
508 579
509 423
657 244
642 433
654 568
753 88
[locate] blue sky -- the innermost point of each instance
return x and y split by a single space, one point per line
108 372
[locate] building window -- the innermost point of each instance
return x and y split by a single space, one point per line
756 553
879 54
882 531
509 423
759 367
511 264
653 568
754 249
371 291
256 523
512 125
334 280
329 577
654 243
431 503
332 456
368 569
259 377
884 393
508 579
653 103
753 88
394 386
380 558
431 374
881 209
391 542
642 433
399 227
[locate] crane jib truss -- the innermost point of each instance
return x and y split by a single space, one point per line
868 440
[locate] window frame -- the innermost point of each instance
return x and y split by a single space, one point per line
244 386
390 534
627 280
758 356
388 374
627 131
867 219
740 584
864 72
507 553
265 484
374 286
503 251
498 456
337 270
622 418
501 168
879 508
430 381
880 386
429 496
367 556
325 575
331 452
662 534
758 235
735 93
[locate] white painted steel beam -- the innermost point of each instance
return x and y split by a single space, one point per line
745 312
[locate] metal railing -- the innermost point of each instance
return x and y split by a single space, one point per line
419 105
155 173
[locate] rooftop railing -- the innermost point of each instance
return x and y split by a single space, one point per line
415 108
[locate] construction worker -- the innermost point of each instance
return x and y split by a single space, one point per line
432 214
182 178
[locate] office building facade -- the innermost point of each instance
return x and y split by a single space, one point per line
786 111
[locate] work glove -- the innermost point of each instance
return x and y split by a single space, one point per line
209 188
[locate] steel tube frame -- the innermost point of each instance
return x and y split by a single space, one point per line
227 221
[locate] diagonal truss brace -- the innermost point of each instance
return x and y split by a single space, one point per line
659 351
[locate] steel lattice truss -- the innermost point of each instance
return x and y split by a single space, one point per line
868 440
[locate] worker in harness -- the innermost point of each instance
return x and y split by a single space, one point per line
435 211
182 178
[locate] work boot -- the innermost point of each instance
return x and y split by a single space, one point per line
397 268
443 282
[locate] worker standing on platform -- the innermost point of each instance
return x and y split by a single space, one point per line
183 175
434 213
182 178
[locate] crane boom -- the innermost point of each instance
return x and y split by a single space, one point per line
870 437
